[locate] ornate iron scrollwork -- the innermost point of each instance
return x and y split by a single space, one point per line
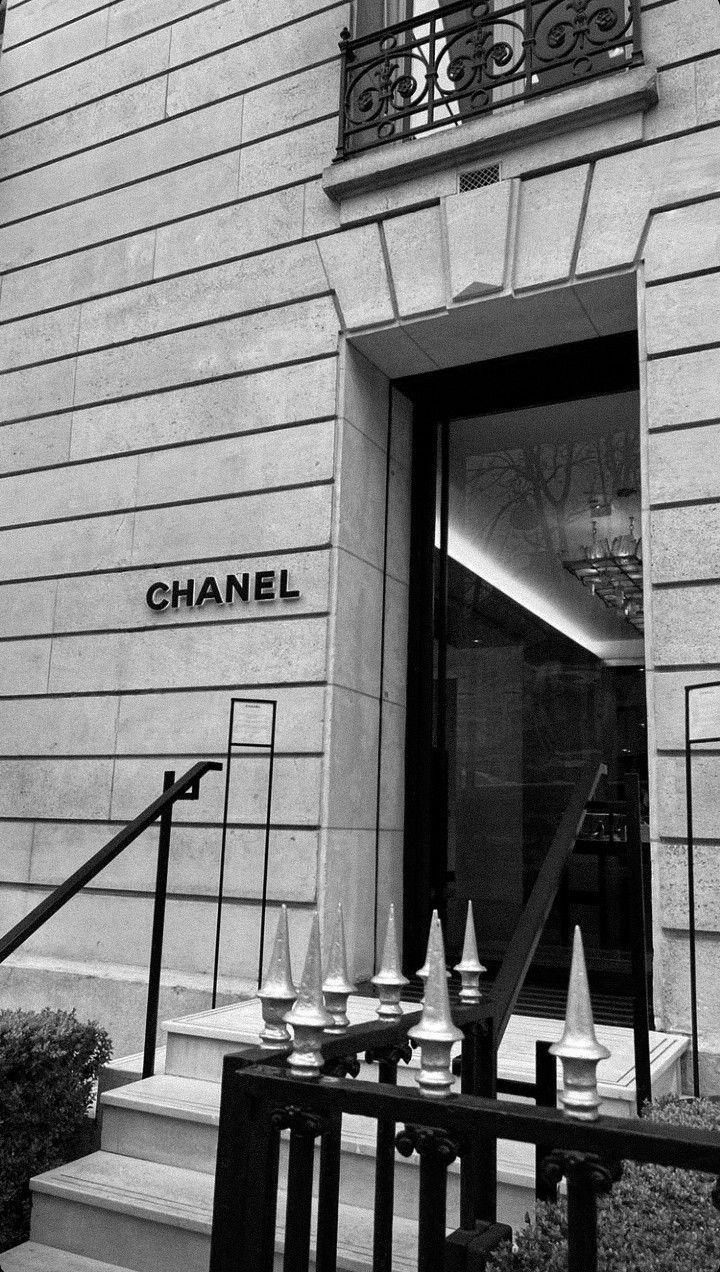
389 1055
427 1141
601 1175
299 1121
341 1067
465 59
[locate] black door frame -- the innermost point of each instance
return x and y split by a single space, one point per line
586 369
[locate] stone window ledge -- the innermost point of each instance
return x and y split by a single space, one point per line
613 95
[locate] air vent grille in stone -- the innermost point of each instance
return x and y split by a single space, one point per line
479 177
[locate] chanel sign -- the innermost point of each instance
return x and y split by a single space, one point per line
262 585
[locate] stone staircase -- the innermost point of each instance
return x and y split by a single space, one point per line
143 1203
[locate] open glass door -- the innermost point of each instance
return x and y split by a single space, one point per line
537 664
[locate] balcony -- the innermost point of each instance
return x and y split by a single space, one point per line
461 61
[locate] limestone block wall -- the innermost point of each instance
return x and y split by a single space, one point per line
682 300
168 388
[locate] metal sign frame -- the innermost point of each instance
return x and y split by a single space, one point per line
261 748
690 742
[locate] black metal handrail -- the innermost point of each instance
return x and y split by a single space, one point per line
526 937
186 787
258 1101
462 60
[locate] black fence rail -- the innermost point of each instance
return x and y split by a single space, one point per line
186 787
259 1101
463 60
386 1046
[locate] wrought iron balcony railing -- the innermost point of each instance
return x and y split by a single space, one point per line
463 60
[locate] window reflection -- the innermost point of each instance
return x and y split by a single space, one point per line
540 673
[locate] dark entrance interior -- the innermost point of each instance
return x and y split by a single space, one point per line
526 653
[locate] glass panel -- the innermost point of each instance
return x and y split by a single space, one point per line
535 683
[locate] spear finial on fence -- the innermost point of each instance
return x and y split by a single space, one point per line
436 1032
278 992
470 967
390 981
422 972
308 1017
337 986
579 1049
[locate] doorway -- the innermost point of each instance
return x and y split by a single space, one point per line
526 650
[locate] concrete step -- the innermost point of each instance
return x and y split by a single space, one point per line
156 1218
32 1257
197 1045
174 1121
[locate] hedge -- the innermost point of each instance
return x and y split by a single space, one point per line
656 1219
48 1063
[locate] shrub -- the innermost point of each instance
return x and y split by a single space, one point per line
656 1219
48 1062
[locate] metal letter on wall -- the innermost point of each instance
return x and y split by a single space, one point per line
251 733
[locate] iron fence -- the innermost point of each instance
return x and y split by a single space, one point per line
266 1100
463 60
243 1236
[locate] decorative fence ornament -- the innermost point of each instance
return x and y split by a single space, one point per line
423 971
337 986
436 1032
278 992
579 1049
470 967
389 981
309 1018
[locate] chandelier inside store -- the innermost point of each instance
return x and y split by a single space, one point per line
613 572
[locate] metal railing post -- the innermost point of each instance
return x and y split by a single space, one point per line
485 1163
156 943
582 1220
344 58
637 53
384 1166
545 1098
638 944
329 1196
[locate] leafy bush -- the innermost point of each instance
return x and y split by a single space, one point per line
48 1062
656 1219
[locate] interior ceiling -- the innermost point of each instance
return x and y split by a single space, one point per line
556 423
554 367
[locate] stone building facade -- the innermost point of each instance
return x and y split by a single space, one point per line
200 319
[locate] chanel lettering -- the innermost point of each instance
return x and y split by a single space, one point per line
262 585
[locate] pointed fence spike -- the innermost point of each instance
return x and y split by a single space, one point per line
470 967
436 1032
389 981
277 993
423 971
578 1049
337 986
309 1018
